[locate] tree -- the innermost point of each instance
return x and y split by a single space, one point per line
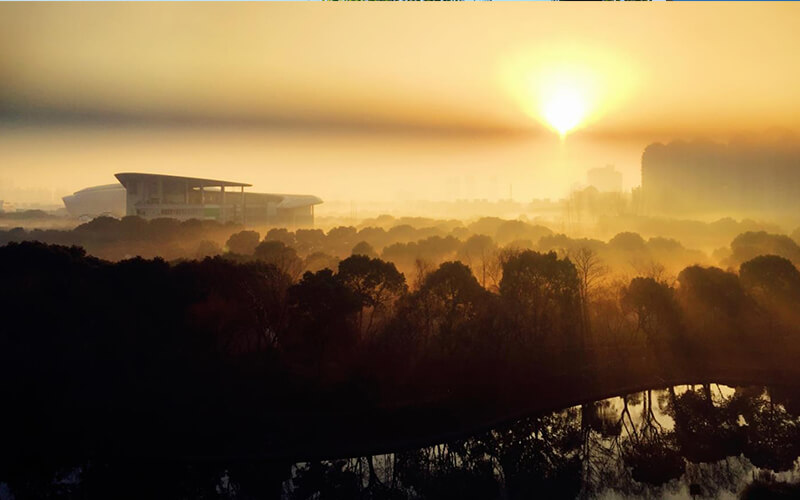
478 252
653 303
241 306
340 240
280 234
511 230
541 293
364 248
308 241
243 242
322 313
436 249
628 242
591 271
376 283
283 257
447 299
751 244
771 278
712 298
454 286
774 283
375 236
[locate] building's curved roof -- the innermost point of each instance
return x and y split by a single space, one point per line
298 200
108 199
104 187
127 177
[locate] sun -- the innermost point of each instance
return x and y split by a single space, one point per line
568 86
563 107
565 95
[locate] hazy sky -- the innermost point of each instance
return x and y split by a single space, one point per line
354 101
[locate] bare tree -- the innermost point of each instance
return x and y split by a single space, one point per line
478 252
591 272
655 270
421 269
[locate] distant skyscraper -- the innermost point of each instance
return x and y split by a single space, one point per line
752 178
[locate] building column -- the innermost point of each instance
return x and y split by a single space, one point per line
224 210
244 217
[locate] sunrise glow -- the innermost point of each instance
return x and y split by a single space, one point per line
566 94
564 109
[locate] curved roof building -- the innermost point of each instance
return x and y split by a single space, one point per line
108 199
156 195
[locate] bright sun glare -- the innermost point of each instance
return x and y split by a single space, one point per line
570 86
564 108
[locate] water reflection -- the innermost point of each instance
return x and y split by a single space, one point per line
705 440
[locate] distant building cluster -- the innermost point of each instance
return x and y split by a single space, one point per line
759 179
153 195
6 207
605 179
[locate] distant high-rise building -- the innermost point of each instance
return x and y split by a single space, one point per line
737 179
605 179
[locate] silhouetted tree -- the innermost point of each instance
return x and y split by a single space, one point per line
655 307
478 252
628 242
281 234
323 317
511 230
243 242
340 240
712 298
541 294
279 255
448 298
774 283
751 244
364 248
590 271
309 241
376 283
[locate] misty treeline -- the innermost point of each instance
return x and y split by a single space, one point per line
411 242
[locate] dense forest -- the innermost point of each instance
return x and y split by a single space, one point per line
305 344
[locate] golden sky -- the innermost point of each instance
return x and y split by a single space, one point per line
653 71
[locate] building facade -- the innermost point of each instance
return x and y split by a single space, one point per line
152 196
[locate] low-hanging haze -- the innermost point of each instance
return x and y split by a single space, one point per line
375 102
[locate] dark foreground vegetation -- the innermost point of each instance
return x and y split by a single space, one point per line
139 367
704 441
